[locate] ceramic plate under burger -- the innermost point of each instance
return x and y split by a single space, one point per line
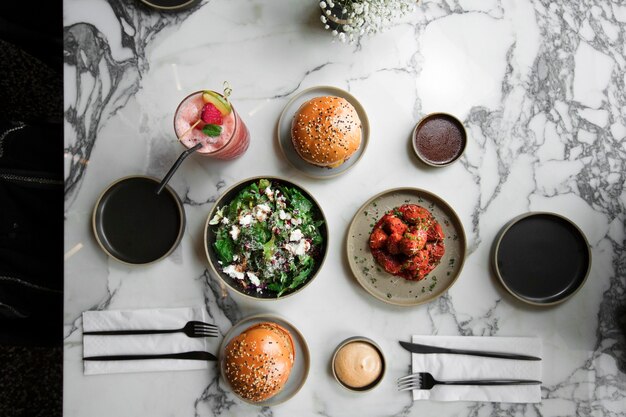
393 289
301 364
284 132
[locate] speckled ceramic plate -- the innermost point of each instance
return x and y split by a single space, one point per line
393 289
284 132
301 365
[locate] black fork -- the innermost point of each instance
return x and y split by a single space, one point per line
191 329
424 380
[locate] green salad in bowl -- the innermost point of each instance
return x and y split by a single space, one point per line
266 237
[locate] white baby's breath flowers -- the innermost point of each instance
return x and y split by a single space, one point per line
348 20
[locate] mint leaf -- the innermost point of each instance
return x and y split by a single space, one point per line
212 130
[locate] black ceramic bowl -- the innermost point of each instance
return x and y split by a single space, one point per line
134 224
209 239
541 258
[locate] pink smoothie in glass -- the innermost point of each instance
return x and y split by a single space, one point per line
232 141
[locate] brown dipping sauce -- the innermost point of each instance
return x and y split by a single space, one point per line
439 139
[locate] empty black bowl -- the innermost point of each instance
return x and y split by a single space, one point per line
541 258
134 224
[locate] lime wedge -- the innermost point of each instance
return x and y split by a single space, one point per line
218 101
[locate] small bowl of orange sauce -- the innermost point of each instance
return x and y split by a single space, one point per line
358 364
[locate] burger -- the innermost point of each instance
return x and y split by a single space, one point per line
326 131
257 363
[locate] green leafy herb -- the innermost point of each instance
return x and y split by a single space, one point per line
297 200
212 130
269 248
224 246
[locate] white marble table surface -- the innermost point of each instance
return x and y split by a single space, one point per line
540 86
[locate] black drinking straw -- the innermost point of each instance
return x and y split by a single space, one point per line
174 167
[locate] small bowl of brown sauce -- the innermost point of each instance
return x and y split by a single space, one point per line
358 364
439 139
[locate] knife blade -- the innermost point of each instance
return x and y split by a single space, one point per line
195 355
426 349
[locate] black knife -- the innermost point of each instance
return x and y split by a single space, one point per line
196 355
426 349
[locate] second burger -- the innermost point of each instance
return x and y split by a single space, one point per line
258 361
326 131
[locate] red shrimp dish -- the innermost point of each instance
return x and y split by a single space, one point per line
408 242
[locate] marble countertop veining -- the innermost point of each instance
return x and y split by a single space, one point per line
540 87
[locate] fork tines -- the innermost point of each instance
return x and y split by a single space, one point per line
201 323
205 329
410 382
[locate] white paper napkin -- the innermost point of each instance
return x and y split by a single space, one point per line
459 367
171 318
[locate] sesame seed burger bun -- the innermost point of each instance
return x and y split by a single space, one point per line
326 131
258 362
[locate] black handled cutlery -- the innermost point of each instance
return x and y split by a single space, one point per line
424 380
191 329
196 355
426 349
